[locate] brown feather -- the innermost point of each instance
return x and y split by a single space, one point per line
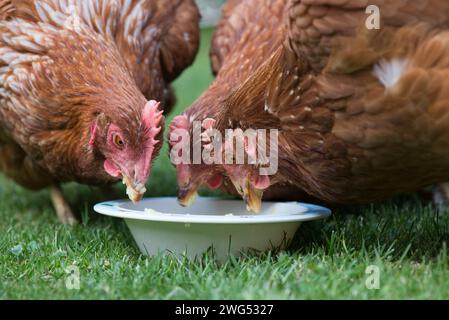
6 9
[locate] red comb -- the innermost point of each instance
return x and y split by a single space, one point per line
151 117
179 122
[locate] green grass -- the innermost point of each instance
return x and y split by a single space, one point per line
404 238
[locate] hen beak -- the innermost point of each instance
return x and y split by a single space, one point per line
187 195
251 195
135 190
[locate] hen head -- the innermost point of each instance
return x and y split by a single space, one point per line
246 178
128 151
190 176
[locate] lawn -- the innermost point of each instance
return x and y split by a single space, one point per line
403 239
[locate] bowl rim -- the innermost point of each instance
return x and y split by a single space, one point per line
308 212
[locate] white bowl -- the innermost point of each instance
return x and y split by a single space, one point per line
162 225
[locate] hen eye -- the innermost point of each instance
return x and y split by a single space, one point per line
118 141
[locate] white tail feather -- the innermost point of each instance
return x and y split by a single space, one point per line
390 71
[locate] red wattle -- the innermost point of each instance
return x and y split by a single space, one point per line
262 182
215 182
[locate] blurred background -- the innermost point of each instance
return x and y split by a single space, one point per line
210 11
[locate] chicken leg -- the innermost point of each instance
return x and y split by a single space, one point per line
62 209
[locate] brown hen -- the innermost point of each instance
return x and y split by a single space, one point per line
247 34
75 80
361 113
